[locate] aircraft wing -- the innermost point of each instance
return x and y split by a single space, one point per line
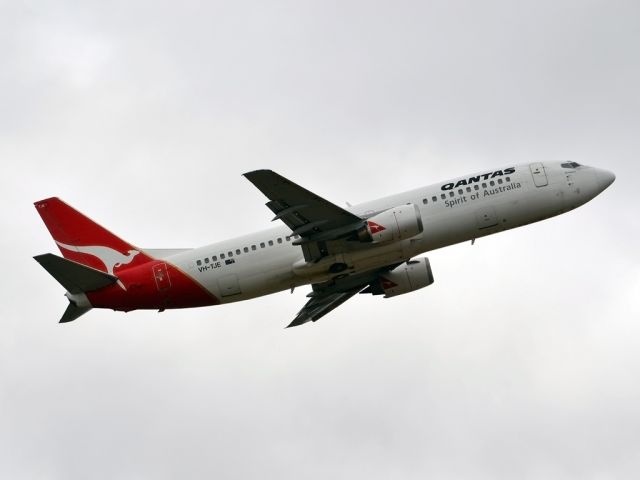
311 217
318 306
327 296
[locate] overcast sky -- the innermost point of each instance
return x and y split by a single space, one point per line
521 361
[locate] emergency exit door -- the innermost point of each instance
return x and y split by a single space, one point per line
539 175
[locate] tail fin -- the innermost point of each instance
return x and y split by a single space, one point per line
77 279
82 240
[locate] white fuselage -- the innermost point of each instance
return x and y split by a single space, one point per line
459 210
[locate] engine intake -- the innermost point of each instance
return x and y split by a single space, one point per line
408 277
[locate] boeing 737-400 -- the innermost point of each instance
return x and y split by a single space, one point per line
368 248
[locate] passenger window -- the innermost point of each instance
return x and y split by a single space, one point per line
214 258
230 254
451 194
484 185
424 201
198 262
288 238
460 191
434 199
508 179
222 256
499 181
246 249
492 183
443 196
262 245
253 247
206 260
279 239
476 187
271 243
238 251
468 189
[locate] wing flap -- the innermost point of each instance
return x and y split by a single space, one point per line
304 212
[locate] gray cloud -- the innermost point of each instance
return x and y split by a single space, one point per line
521 361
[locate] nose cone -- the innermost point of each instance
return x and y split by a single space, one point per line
604 178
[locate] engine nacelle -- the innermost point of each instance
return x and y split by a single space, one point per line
410 276
398 223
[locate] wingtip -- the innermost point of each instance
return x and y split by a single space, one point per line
254 172
297 322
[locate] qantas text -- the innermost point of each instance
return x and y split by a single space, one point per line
478 178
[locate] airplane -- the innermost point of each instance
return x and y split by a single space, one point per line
370 248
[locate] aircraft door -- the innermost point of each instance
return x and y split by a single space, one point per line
486 217
161 276
538 174
229 285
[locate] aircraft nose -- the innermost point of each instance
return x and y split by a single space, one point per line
604 178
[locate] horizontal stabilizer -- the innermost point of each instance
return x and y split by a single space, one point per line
73 276
72 312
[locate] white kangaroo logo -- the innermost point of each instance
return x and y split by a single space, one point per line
110 257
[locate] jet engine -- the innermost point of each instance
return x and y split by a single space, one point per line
398 223
405 278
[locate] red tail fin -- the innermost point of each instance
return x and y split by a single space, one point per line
82 240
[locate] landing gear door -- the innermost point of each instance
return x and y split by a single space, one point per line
538 174
229 285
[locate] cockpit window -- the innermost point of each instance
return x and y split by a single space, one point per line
570 165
